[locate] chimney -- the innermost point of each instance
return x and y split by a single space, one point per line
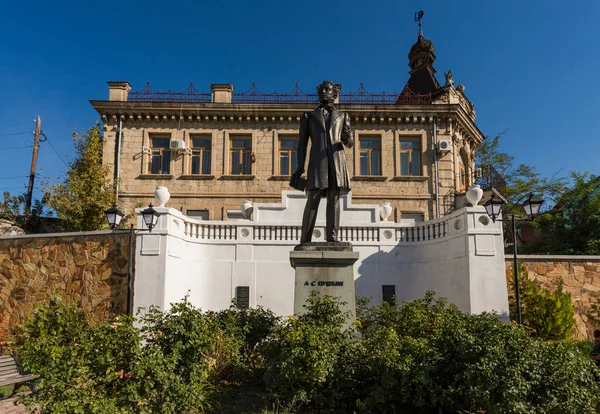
118 91
221 92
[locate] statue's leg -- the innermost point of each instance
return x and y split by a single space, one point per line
333 215
310 215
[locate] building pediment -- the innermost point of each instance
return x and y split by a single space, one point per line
450 95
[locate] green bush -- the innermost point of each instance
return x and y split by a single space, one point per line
414 357
549 316
101 369
214 346
421 356
250 326
302 354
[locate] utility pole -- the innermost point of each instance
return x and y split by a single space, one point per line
36 146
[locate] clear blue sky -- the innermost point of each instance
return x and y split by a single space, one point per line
528 66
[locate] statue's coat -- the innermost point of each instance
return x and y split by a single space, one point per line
312 124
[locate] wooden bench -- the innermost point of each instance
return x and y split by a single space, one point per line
11 372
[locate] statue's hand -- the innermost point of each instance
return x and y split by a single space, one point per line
299 172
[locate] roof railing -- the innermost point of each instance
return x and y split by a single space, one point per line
296 96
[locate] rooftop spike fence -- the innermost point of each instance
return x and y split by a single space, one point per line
190 95
296 96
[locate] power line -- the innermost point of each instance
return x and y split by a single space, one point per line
5 188
19 147
18 123
4 177
15 133
56 152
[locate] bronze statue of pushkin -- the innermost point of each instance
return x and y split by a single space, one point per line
327 175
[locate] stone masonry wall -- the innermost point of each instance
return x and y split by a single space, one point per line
220 191
90 268
581 277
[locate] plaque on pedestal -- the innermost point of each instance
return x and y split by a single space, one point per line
328 269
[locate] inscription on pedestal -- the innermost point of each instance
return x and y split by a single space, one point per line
324 283
328 272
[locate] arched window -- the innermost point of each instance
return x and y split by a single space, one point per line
462 174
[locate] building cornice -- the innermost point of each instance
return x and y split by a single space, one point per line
254 114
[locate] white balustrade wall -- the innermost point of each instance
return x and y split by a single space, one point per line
460 257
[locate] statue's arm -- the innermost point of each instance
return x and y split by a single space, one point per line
302 144
347 136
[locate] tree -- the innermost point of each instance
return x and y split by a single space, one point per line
522 179
574 228
80 201
549 316
12 208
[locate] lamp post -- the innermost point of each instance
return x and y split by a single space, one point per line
114 217
493 207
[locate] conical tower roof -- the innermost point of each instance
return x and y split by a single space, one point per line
422 79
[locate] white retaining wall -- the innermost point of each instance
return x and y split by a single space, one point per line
460 257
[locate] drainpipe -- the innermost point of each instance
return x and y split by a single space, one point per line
118 160
435 168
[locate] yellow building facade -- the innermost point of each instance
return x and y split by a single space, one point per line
214 150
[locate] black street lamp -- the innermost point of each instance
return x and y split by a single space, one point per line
150 217
493 207
114 217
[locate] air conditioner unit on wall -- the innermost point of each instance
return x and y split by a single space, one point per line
178 145
445 145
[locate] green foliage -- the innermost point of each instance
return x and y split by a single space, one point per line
101 369
549 316
424 355
250 327
214 346
414 357
80 201
12 208
522 179
575 227
303 354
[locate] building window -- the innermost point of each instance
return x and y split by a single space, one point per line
198 214
240 155
287 155
242 297
462 175
411 218
389 294
201 151
370 156
410 157
160 155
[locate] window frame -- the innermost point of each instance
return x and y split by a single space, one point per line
241 153
418 216
369 152
200 155
418 152
203 210
462 182
152 149
393 299
292 152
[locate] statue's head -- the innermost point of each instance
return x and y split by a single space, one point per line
327 92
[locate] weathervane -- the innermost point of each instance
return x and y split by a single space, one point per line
418 17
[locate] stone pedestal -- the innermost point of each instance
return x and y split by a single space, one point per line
326 268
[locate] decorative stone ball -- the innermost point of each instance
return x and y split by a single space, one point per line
162 195
385 210
474 194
